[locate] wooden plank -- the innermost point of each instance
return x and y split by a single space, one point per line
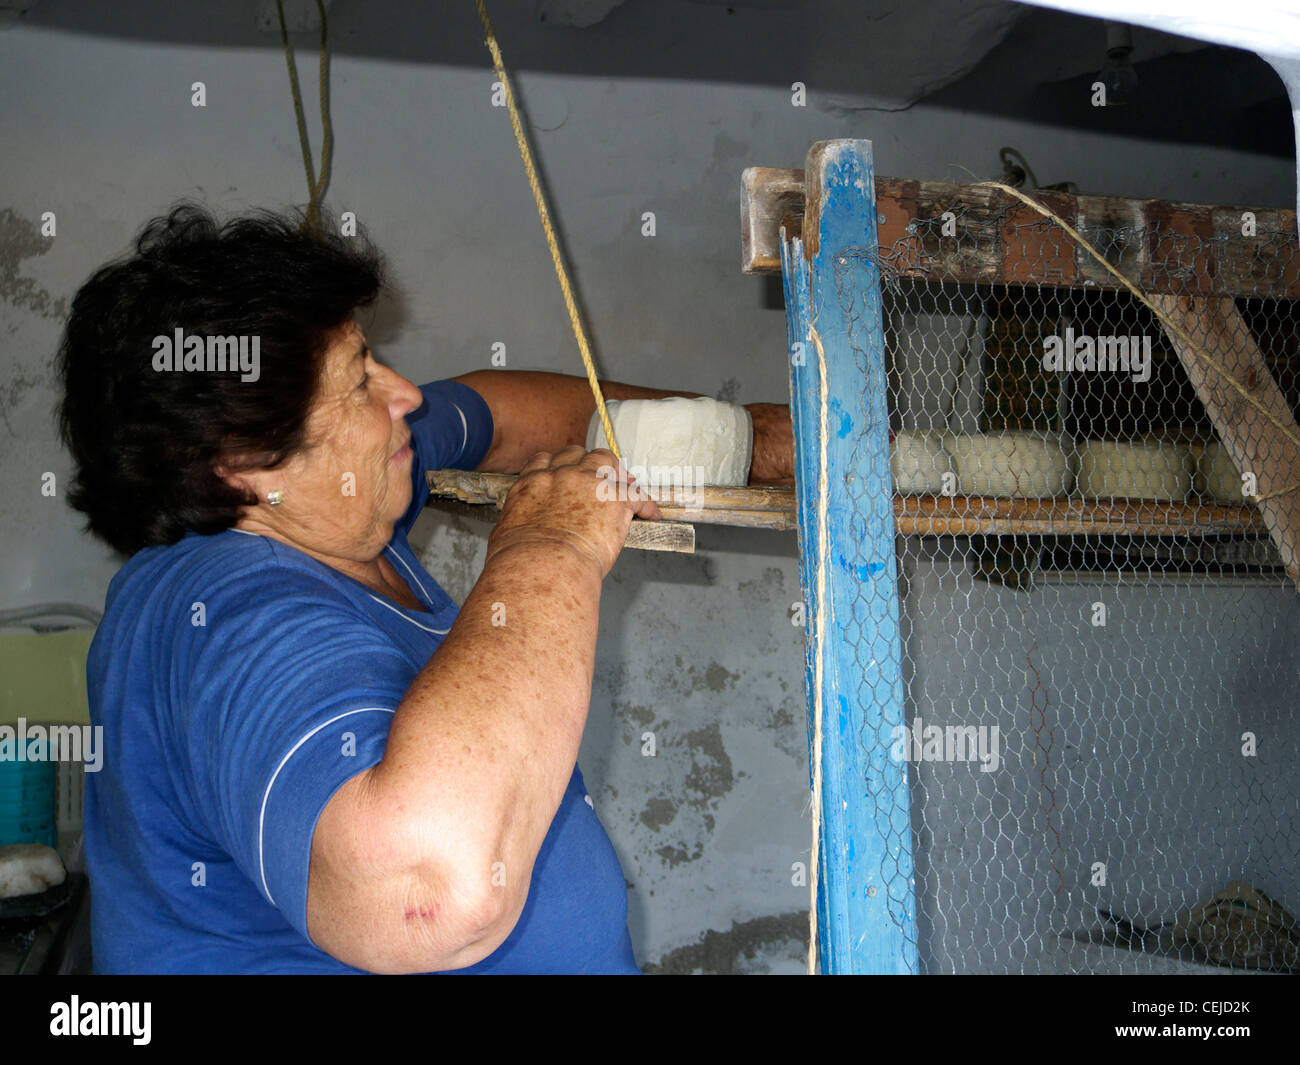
1159 245
757 508
770 198
849 574
461 487
737 518
1267 448
975 515
914 515
660 536
470 487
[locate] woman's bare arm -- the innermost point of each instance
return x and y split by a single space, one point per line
534 411
423 862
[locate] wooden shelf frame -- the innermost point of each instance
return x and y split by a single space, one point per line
914 515
1068 516
992 238
1018 253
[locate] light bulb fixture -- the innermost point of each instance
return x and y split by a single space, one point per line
1117 74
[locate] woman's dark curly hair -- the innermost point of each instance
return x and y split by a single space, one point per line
146 442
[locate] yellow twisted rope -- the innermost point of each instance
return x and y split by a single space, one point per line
526 153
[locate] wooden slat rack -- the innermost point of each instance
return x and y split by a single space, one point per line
974 515
914 515
753 508
1013 252
979 235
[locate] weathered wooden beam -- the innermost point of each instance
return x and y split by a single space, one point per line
1159 245
461 487
755 508
661 536
1267 448
770 199
914 515
976 515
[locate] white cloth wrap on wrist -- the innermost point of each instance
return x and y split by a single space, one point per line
679 441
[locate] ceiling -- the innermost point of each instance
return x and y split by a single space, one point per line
986 56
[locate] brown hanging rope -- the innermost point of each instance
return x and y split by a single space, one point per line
315 185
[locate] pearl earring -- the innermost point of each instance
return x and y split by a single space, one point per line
276 497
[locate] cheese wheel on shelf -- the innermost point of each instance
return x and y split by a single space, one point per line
679 441
1146 469
1019 465
1217 475
918 462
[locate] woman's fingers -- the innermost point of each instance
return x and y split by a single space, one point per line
570 456
540 461
623 484
643 506
546 460
565 493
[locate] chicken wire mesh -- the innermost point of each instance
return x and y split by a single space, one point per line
1097 632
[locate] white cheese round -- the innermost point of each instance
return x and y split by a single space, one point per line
1009 465
29 869
679 441
1217 475
1111 469
919 462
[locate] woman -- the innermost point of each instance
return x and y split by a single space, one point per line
315 762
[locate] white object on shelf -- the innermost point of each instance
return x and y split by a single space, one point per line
919 462
1148 469
29 869
1009 465
1217 475
679 441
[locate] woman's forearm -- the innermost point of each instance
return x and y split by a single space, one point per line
483 745
535 411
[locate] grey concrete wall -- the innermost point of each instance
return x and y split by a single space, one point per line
698 650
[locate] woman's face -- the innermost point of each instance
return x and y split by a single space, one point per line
345 490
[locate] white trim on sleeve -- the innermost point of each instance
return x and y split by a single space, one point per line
464 427
266 795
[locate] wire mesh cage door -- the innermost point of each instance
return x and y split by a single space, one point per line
1048 479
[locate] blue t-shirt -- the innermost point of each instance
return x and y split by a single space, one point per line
240 683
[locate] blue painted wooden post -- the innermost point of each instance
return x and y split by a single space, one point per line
835 328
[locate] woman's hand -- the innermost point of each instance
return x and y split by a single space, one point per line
582 499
